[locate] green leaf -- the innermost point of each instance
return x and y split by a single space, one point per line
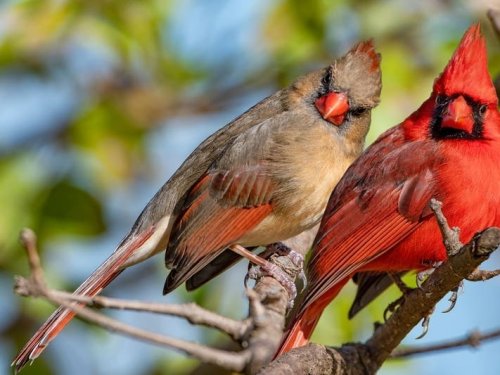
67 209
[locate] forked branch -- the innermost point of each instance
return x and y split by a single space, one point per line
259 333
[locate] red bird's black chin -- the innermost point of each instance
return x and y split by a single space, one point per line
457 117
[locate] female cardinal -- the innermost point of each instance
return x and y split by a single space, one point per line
378 217
263 178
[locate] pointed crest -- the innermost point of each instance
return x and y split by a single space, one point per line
358 72
467 71
368 48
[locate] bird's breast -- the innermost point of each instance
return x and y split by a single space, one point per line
307 174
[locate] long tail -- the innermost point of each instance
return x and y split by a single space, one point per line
302 326
300 332
99 279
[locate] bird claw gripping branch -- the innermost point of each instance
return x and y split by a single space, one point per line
405 289
453 298
425 324
274 271
423 275
297 259
290 263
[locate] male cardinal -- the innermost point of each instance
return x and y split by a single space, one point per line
378 217
263 178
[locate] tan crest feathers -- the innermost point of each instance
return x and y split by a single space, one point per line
368 48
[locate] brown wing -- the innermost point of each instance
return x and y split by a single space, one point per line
225 260
220 209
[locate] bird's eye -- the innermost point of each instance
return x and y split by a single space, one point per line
358 111
327 79
482 109
440 100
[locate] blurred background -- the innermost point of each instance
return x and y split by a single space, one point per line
100 101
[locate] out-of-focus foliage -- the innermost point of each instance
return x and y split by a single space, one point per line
101 101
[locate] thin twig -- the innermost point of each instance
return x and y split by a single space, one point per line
260 333
473 339
193 313
482 275
451 237
28 240
35 286
234 361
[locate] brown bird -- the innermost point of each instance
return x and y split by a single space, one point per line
263 178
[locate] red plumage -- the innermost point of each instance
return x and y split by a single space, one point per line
378 217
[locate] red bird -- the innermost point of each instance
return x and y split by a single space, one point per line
254 182
378 217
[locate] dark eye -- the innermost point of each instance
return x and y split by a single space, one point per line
482 109
441 100
358 111
327 79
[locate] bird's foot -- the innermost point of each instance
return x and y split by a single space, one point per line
454 296
451 236
423 275
260 267
425 324
392 307
281 249
255 272
295 257
405 289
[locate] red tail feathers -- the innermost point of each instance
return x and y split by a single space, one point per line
299 333
101 277
302 326
57 321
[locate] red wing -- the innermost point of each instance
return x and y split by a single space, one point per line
386 202
219 210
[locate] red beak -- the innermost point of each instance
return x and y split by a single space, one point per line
459 115
333 107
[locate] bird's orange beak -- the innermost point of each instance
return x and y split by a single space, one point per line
459 115
333 107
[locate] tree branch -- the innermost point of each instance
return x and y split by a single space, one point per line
35 286
473 339
259 334
193 313
482 275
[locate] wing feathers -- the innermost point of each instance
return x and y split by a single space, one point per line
341 260
222 207
371 223
199 245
